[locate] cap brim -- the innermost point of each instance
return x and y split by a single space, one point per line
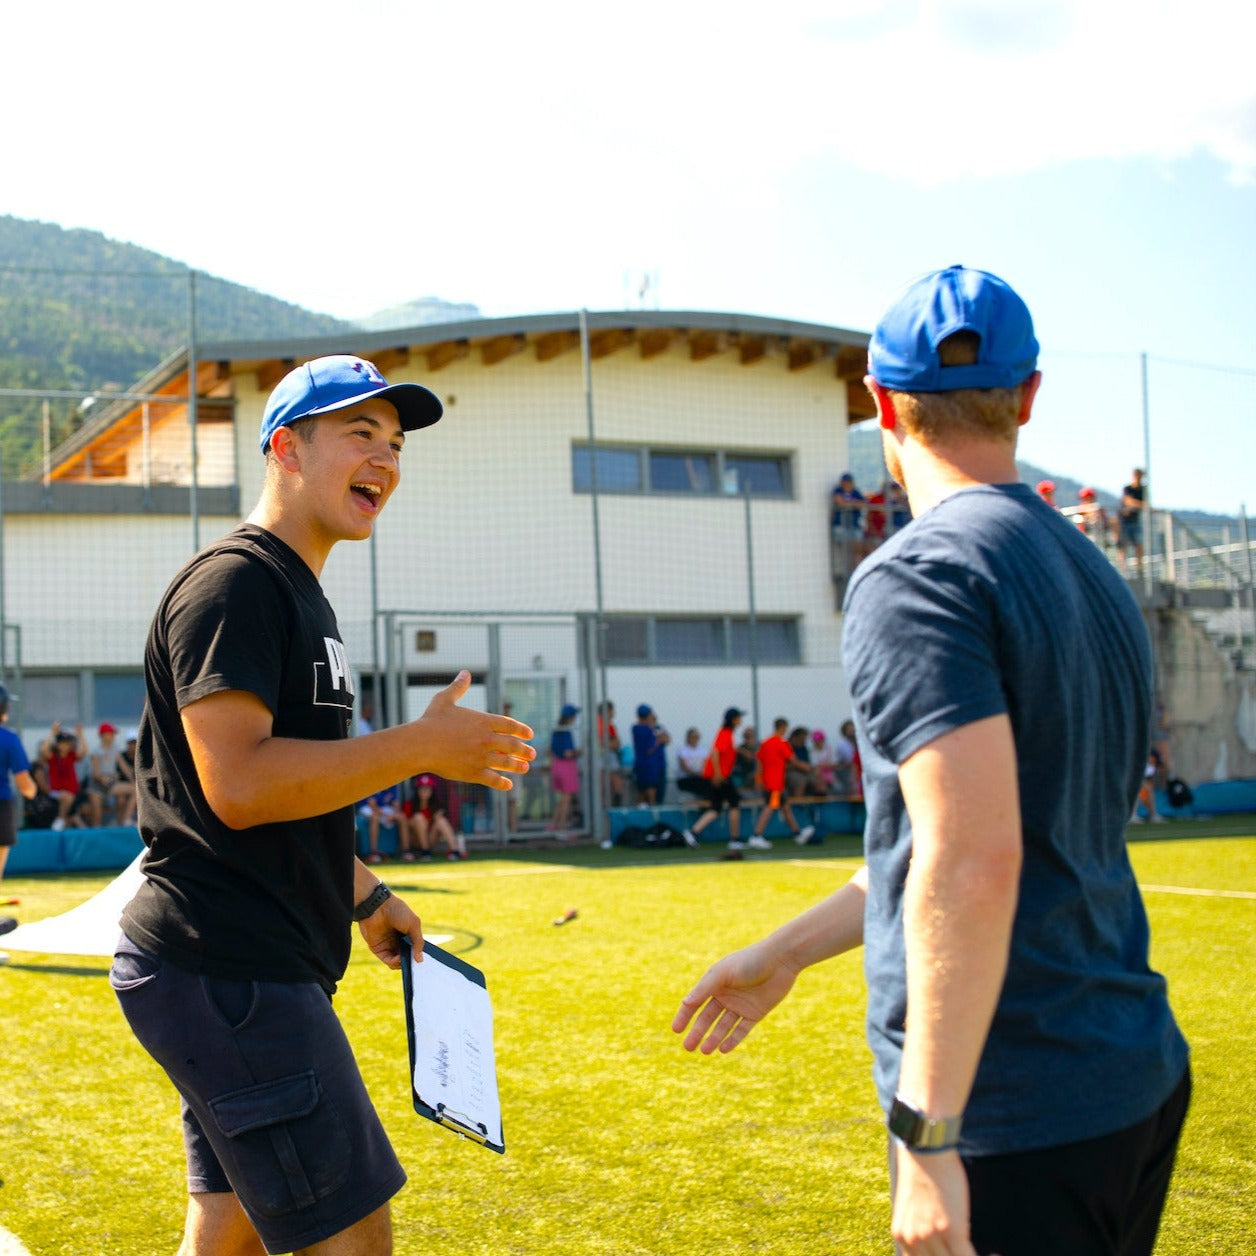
417 407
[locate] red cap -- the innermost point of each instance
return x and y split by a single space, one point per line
107 728
1046 486
1085 493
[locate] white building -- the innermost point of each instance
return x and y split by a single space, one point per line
494 522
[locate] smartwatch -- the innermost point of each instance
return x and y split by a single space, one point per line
919 1132
372 902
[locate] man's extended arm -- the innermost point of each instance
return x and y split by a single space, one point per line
958 906
251 777
736 993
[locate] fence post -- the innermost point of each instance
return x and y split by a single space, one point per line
1251 581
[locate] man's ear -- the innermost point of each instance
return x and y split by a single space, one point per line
883 401
1029 390
283 445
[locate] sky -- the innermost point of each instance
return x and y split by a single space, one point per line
795 159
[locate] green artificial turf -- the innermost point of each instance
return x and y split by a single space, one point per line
618 1142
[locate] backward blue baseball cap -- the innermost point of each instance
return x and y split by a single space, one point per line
903 353
332 383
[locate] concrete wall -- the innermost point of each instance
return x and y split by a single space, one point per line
1209 703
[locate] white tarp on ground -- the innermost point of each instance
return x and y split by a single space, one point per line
91 928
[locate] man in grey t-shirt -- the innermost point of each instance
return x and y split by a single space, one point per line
1032 1074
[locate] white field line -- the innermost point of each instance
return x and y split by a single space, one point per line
10 1245
1188 889
822 862
465 872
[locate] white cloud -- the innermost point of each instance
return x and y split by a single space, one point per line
954 88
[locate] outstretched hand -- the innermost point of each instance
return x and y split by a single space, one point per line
732 997
472 745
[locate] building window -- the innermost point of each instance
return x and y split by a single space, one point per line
71 698
681 472
718 639
50 699
775 640
119 697
765 477
697 472
689 640
626 640
618 470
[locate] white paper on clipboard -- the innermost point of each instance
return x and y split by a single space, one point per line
453 1067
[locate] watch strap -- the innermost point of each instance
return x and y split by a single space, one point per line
372 902
919 1132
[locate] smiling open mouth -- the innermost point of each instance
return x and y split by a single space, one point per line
369 493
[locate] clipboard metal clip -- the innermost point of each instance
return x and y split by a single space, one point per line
477 1131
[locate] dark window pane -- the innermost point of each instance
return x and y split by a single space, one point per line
46 699
625 640
120 699
776 641
618 470
766 477
682 473
689 640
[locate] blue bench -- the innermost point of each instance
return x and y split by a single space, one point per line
830 815
73 850
99 850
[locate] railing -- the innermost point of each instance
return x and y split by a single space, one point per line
1179 566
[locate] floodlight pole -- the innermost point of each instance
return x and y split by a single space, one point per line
193 504
592 736
1251 578
752 624
1147 481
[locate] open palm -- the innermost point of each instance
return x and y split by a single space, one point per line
732 997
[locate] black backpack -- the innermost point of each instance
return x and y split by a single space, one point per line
655 836
1179 792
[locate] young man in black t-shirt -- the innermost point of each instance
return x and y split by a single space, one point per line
246 776
1133 502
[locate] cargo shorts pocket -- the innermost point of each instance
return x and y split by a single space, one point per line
287 1147
132 967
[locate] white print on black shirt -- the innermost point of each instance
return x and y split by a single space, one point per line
333 681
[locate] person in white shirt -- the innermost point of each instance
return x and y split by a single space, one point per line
690 758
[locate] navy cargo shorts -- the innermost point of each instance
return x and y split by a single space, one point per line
274 1106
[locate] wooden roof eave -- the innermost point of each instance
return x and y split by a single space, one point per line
705 332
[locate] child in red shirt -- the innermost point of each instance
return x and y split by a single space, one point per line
723 793
774 754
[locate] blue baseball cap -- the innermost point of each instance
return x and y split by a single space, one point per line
643 710
332 383
903 353
568 712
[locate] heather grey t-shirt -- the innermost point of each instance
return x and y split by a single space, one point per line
992 603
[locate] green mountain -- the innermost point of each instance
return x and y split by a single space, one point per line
79 311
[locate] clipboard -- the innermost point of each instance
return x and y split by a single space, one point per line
449 1033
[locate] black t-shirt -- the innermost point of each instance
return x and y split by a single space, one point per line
274 902
1137 493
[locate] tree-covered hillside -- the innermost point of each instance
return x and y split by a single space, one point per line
119 311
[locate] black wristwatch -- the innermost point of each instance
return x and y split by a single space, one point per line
372 902
922 1133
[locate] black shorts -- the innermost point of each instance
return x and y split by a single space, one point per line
274 1107
1099 1197
724 794
8 821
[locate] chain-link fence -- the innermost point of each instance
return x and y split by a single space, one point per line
615 510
